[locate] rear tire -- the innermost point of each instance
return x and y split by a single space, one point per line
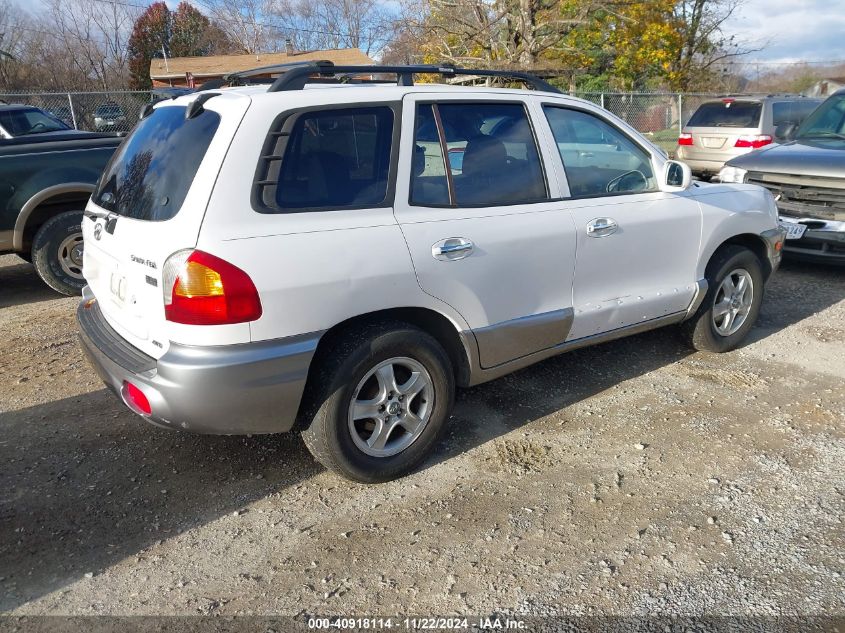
732 303
57 253
378 402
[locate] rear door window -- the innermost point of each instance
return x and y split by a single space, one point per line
492 156
151 172
738 114
332 159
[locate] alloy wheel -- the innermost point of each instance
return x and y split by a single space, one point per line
733 302
391 407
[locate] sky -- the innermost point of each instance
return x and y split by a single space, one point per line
787 30
792 30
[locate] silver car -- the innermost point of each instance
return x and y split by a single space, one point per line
723 129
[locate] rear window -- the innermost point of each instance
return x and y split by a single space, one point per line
730 114
150 173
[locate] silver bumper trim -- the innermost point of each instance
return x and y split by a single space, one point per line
241 389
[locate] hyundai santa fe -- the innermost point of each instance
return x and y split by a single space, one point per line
336 258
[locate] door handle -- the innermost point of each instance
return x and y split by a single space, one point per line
452 249
601 227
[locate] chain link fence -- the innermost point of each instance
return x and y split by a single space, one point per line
660 116
115 111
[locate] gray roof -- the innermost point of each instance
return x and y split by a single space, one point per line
15 106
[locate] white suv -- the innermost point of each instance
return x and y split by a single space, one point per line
337 257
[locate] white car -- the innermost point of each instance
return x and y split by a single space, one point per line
301 256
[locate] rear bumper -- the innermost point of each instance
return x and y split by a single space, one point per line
226 390
699 166
702 162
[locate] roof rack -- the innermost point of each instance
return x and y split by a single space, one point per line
294 76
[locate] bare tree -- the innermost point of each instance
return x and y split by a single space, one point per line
94 35
245 22
364 24
704 45
13 25
510 33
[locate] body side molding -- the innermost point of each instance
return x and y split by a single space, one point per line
509 340
479 374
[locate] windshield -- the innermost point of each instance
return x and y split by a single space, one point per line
150 173
23 121
740 114
828 121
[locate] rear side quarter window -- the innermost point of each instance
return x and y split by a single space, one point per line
328 159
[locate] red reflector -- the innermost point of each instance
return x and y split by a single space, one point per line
754 142
135 399
685 139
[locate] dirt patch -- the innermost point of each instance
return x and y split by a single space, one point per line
632 478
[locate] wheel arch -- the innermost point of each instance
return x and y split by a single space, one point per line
755 243
436 324
44 205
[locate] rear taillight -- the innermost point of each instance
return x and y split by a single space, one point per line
201 289
753 141
685 139
135 399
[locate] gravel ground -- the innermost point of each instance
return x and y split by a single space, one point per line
631 478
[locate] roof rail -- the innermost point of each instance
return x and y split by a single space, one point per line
294 76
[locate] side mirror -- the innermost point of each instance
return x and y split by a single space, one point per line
785 131
677 176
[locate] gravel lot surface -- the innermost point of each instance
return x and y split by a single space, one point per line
631 478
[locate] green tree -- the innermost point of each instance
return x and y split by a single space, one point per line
192 34
150 38
602 44
184 32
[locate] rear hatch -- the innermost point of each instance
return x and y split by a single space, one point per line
716 126
150 203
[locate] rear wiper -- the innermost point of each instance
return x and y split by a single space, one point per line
835 135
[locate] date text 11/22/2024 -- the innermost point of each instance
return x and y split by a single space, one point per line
416 624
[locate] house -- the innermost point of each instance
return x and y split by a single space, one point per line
825 87
193 71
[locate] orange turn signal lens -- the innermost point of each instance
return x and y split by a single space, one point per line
198 280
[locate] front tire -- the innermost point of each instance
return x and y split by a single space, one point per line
732 303
378 402
57 253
